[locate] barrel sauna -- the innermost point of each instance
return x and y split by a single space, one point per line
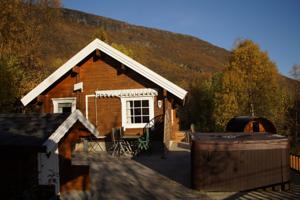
238 161
250 124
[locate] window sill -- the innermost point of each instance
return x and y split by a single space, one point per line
131 126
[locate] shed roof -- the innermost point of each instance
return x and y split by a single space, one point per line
114 53
38 131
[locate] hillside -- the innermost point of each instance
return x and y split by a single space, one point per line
35 40
176 56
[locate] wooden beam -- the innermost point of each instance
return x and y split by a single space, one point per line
165 93
76 70
40 98
98 53
123 67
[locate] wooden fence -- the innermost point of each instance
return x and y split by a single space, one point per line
295 162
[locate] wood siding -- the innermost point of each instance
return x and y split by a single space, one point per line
249 127
102 74
72 177
233 166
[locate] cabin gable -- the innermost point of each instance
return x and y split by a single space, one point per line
99 74
111 89
97 45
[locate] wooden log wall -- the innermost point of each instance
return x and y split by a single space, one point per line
102 73
72 177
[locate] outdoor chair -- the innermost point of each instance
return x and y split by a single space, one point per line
119 146
144 141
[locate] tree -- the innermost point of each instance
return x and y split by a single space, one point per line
293 117
25 25
249 86
198 108
101 34
123 49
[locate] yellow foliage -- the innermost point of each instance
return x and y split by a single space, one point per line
123 49
249 84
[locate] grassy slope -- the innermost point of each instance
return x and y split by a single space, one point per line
176 56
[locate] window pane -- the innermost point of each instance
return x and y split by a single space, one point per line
145 119
145 111
66 109
61 105
145 103
137 103
137 111
137 119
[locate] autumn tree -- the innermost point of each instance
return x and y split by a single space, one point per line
293 114
198 108
101 34
123 49
25 25
249 86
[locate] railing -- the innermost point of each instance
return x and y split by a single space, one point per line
156 126
295 162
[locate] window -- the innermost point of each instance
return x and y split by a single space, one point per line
136 112
64 105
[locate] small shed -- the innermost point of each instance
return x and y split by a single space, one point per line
35 152
250 124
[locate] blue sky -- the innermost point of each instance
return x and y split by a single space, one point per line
273 24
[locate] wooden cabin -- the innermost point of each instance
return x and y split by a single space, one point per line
112 90
36 153
250 124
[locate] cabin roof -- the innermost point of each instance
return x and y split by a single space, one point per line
114 53
38 131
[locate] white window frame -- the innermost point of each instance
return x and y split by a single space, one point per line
57 101
124 110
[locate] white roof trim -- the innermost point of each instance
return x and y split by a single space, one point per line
124 59
60 132
127 93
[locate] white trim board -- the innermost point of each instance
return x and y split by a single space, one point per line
57 101
53 140
124 111
127 93
114 53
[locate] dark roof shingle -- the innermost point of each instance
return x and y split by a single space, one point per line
28 130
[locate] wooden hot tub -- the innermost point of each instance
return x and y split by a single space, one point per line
238 161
